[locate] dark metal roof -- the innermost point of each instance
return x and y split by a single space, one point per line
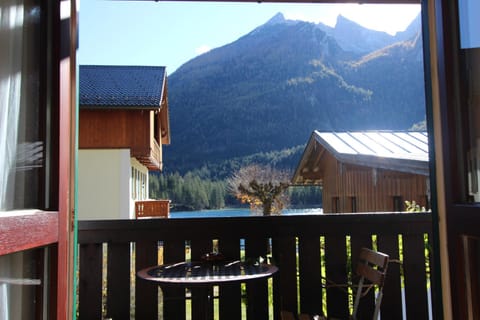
121 86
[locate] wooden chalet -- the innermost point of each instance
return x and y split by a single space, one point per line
41 242
122 127
366 171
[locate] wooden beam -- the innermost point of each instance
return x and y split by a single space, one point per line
26 230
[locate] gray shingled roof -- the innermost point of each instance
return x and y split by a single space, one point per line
121 86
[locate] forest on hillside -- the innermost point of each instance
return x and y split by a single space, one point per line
192 192
206 187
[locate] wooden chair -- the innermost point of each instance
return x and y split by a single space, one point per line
371 268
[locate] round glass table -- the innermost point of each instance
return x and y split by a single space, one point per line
206 273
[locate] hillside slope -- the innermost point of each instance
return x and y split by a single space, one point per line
268 90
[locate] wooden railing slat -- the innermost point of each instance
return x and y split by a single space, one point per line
311 281
201 306
336 271
146 305
392 293
230 295
284 255
415 277
90 286
173 298
118 281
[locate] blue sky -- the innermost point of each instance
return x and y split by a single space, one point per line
171 33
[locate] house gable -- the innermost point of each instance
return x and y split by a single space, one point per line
361 174
397 151
125 107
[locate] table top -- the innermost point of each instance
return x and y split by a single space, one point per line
205 273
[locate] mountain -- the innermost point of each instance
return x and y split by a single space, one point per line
412 30
354 38
268 90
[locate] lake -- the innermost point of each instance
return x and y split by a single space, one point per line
237 213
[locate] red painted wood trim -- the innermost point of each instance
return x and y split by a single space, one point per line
63 194
64 282
23 230
67 138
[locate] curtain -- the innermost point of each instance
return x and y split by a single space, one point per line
11 23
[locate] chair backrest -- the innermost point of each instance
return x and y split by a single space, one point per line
372 269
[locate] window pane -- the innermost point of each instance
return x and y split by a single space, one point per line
22 107
472 75
22 284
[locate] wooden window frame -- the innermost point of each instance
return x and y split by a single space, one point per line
398 204
353 204
61 220
29 229
335 204
42 229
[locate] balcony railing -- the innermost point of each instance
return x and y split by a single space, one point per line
152 209
150 156
303 247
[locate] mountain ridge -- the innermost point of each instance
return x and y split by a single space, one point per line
269 89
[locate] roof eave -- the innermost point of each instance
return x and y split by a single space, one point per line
118 107
306 152
163 106
419 167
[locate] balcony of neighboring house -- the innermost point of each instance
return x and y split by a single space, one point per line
152 209
305 248
150 156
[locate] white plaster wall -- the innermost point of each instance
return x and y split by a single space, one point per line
104 184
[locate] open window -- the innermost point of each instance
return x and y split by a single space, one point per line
35 158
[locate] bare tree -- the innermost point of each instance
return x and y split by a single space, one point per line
261 186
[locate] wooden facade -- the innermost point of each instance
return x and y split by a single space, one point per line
125 107
352 188
138 130
360 185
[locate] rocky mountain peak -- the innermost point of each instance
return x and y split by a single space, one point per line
276 19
